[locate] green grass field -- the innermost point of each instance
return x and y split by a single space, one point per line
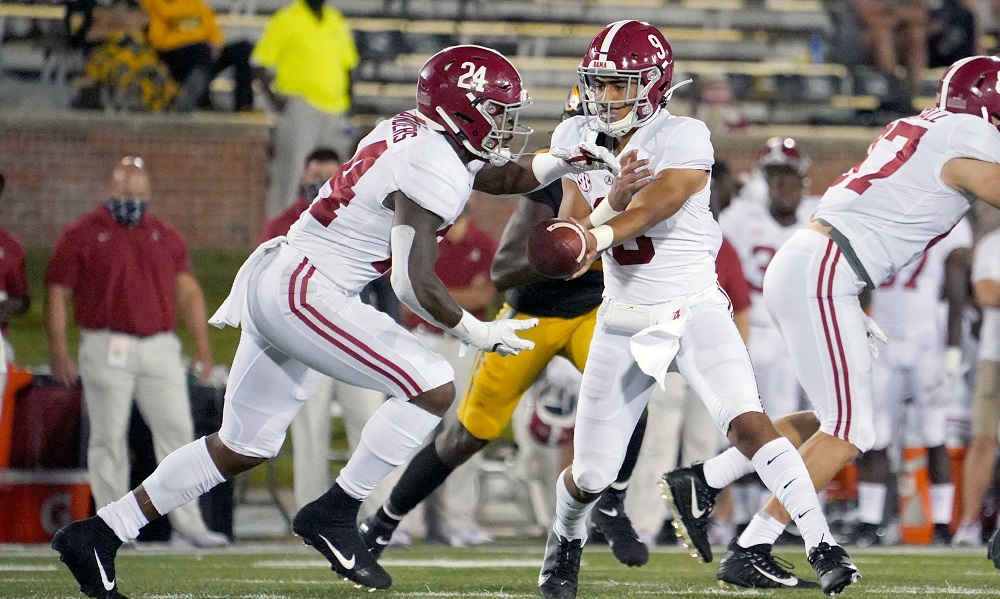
507 569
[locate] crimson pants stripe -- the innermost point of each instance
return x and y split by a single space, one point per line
840 348
411 390
830 248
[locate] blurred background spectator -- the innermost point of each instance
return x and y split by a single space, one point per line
126 272
14 298
304 58
189 40
895 34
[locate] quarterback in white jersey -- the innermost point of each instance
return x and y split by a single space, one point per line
913 366
756 230
296 299
917 182
662 306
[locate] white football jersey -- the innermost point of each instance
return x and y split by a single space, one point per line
676 257
345 231
756 236
894 205
912 296
986 265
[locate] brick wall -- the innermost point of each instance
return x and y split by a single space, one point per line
209 176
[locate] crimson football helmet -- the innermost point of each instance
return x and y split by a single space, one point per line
475 95
634 52
970 86
783 151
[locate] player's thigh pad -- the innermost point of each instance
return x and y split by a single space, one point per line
714 362
811 293
613 393
308 318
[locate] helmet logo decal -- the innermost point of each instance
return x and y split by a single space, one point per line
473 78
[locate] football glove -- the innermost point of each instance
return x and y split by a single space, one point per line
587 156
874 333
499 336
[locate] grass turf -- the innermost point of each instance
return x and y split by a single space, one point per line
507 569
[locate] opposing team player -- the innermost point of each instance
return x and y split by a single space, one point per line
566 312
662 305
925 348
918 181
296 299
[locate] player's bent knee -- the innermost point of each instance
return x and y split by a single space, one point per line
436 401
231 457
455 445
592 481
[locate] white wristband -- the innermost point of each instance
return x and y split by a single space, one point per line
605 236
952 359
602 214
547 168
470 329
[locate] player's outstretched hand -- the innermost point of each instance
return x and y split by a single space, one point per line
590 256
588 156
500 336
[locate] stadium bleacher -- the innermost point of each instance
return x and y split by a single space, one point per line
765 48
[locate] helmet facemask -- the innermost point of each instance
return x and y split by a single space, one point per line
508 139
598 112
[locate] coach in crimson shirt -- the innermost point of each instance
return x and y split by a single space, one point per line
13 277
127 272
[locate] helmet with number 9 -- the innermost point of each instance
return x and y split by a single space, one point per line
474 94
970 86
637 53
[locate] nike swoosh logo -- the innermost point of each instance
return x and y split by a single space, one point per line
383 540
109 585
346 563
806 512
612 513
696 511
788 581
789 482
776 457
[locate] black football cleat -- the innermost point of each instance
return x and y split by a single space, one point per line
342 546
561 567
692 500
377 533
755 568
610 519
833 567
88 548
993 549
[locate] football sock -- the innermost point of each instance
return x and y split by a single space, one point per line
425 473
782 470
124 517
632 451
762 530
726 468
571 515
183 475
390 436
871 502
942 502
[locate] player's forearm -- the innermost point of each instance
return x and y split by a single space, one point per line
987 293
55 320
195 318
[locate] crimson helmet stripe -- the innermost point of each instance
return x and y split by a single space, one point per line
946 80
610 37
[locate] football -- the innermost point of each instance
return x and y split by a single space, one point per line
556 248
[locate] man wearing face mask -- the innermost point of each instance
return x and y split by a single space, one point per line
304 59
126 272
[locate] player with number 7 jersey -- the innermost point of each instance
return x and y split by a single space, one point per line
920 177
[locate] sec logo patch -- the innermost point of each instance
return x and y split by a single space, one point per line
583 180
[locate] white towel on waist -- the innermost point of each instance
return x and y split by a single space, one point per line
655 347
231 310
